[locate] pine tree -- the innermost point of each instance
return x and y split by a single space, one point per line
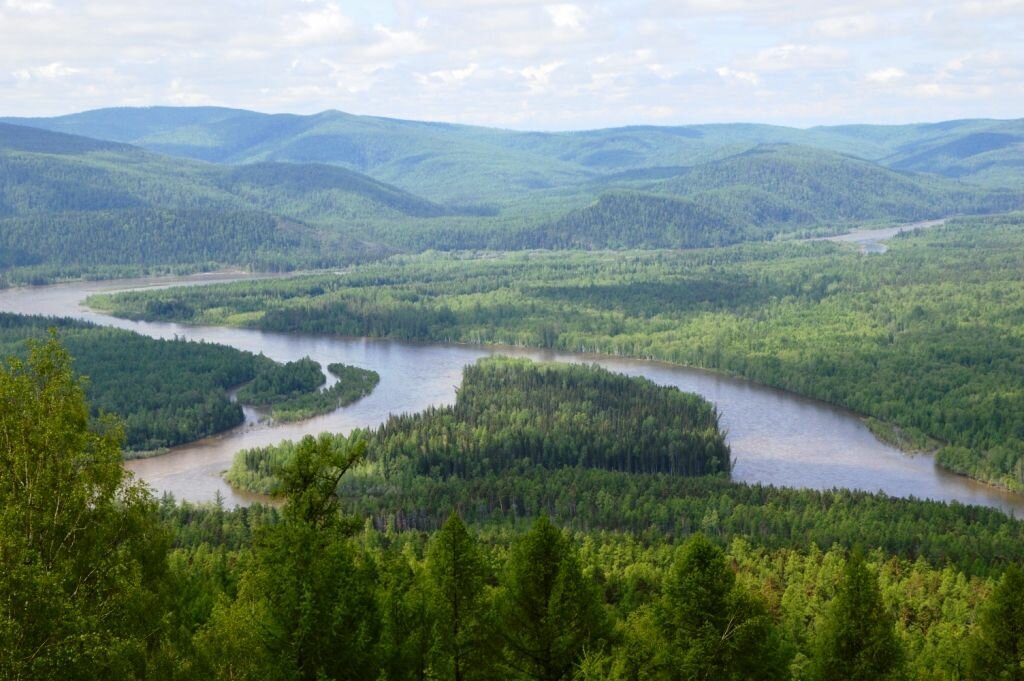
857 640
549 612
711 627
996 649
313 587
457 574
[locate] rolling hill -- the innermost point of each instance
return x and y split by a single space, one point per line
468 164
210 186
70 200
767 191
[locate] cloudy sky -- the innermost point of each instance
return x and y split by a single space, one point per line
523 63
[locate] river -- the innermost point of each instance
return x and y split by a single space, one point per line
776 437
871 240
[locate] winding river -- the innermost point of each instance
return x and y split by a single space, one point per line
776 437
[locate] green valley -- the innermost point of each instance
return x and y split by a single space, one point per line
926 336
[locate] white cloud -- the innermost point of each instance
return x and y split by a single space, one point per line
887 75
52 71
391 44
185 94
448 77
29 6
325 25
528 63
847 27
569 17
733 76
794 56
539 77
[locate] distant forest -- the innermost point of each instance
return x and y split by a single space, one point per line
926 337
322 192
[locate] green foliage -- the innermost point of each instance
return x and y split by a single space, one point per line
456 571
283 382
72 204
459 162
513 413
92 590
81 554
550 613
925 336
710 628
997 646
309 593
764 192
556 415
856 641
353 384
166 391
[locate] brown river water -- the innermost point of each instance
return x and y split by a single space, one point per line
777 438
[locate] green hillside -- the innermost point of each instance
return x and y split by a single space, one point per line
825 187
459 163
761 193
286 191
72 201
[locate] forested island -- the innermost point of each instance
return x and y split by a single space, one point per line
169 392
103 580
926 338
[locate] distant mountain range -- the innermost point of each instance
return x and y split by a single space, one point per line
211 185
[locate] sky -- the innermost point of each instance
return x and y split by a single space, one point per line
523 64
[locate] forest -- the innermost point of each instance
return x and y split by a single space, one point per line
292 391
104 581
925 337
510 413
169 392
73 206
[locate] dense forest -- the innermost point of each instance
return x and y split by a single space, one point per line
596 450
103 581
168 392
926 337
510 413
73 206
293 392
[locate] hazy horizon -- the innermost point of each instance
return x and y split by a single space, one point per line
4 115
523 64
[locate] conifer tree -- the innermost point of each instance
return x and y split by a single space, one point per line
857 640
711 627
997 646
457 574
549 612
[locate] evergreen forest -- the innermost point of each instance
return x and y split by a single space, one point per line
101 580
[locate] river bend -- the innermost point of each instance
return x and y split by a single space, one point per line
776 437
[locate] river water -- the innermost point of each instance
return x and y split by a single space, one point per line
776 437
871 240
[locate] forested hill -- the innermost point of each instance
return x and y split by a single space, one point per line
321 191
436 159
70 201
760 193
